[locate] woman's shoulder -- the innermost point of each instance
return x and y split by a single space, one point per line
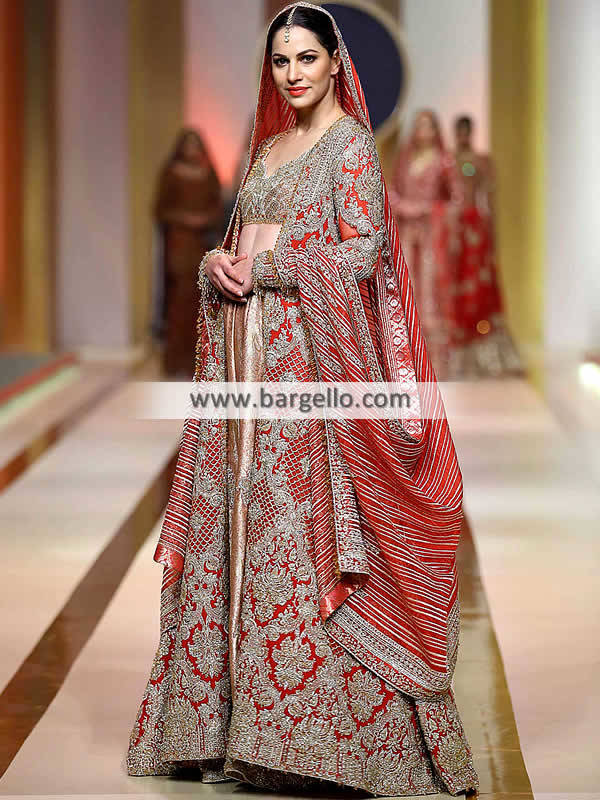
352 140
350 128
351 132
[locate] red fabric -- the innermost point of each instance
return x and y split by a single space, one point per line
407 481
477 295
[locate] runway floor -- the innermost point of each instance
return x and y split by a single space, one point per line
82 493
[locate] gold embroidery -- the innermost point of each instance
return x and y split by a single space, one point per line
267 198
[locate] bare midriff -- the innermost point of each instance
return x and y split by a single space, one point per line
255 237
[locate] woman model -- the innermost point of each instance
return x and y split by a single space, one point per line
422 194
309 608
189 211
482 345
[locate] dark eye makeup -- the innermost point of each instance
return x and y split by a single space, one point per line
280 60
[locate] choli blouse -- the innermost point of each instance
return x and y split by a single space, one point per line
267 198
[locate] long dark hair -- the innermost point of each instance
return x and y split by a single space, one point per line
315 21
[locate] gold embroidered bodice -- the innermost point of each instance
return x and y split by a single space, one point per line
268 198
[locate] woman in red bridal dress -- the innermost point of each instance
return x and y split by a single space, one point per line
422 192
482 345
189 212
309 606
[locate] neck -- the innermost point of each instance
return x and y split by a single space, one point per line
319 116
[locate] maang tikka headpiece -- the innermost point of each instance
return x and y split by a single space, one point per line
288 25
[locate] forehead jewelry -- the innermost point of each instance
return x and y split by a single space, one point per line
288 24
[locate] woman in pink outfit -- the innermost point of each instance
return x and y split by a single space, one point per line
422 191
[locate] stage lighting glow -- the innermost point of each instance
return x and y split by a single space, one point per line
589 375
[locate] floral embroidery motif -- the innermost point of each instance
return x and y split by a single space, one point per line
350 190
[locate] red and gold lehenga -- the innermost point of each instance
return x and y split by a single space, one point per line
309 607
481 342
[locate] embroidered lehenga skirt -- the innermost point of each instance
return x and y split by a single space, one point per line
277 702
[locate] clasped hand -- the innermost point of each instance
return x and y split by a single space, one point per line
231 275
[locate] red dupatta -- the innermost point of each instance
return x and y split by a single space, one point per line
398 613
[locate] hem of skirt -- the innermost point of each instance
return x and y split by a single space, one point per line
169 767
491 356
440 788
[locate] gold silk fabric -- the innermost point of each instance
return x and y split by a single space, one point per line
244 362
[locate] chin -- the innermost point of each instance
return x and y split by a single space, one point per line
297 102
303 102
300 102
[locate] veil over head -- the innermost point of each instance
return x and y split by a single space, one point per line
398 611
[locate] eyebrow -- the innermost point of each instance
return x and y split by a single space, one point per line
310 50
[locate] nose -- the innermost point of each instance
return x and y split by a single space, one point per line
293 72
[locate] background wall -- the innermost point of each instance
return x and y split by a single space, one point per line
220 75
39 213
155 88
12 72
118 111
518 80
572 189
93 252
447 44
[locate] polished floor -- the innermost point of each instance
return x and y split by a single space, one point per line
83 487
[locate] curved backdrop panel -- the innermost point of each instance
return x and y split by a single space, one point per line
378 54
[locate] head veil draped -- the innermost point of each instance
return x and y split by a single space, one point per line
394 604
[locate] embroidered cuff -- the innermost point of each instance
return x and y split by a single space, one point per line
264 271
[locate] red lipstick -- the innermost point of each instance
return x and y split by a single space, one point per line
298 90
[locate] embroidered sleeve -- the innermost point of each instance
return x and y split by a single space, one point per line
264 271
359 206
